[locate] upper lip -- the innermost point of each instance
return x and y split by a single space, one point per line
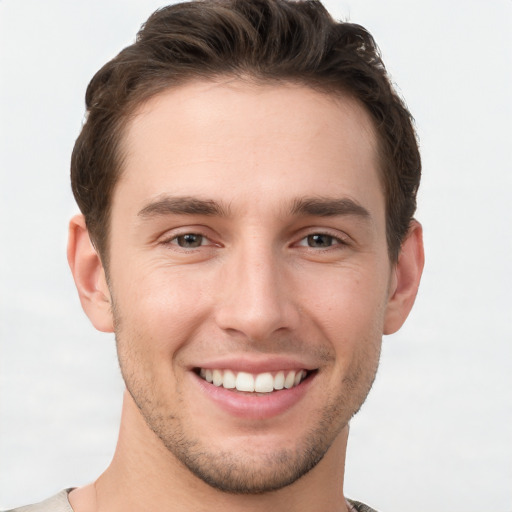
261 364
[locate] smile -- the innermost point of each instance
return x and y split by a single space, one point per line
266 382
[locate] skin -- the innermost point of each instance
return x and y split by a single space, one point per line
267 277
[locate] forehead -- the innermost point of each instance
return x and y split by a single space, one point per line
235 140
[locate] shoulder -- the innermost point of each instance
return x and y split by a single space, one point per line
57 503
357 506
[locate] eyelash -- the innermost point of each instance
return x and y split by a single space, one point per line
175 240
333 241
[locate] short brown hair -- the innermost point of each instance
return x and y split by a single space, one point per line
265 40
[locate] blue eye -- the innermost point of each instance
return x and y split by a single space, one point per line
189 240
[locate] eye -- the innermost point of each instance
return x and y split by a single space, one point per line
189 240
320 241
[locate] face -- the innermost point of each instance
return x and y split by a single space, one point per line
249 276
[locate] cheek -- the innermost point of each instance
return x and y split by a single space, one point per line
161 309
349 314
347 301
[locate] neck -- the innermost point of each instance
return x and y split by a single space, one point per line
144 475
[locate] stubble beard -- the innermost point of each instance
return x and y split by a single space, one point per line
244 473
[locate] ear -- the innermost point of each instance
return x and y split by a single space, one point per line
406 279
89 276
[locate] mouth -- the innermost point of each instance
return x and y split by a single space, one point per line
257 384
254 391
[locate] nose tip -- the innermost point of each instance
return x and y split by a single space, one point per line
256 301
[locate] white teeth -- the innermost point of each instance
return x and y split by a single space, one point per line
217 378
289 381
229 380
264 383
279 380
244 382
260 383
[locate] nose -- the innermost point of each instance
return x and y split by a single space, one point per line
257 295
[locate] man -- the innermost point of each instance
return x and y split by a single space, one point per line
247 179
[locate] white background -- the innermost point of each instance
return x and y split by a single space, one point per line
436 432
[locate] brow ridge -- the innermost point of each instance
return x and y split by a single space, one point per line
183 205
328 207
303 206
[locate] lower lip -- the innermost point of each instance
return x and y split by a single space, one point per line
252 406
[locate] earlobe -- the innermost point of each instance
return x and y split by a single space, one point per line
406 279
89 276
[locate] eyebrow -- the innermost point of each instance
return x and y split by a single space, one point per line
304 206
328 207
183 205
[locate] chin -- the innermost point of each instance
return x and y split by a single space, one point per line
255 471
248 464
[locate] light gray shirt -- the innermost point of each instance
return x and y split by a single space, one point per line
57 503
60 503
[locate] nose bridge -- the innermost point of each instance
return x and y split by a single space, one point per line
256 300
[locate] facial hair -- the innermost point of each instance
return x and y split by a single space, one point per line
251 472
